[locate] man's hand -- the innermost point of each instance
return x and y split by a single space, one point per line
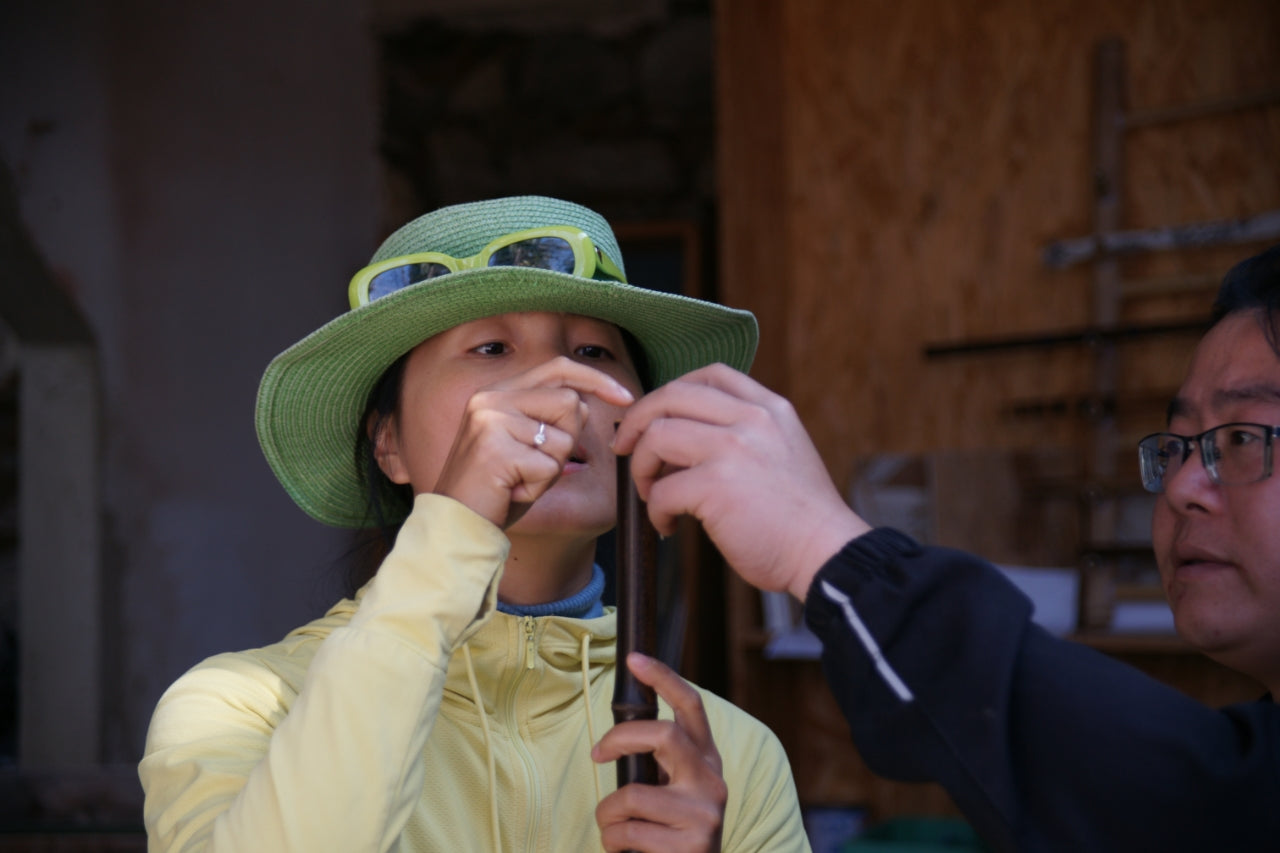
719 446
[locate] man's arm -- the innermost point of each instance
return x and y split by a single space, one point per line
1044 743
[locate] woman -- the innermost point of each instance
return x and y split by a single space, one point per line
456 701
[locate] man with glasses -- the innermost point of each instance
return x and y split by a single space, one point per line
1044 744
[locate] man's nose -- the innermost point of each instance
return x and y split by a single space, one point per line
1190 485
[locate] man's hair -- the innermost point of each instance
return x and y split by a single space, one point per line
1253 285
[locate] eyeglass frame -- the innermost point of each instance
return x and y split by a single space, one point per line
1207 461
588 260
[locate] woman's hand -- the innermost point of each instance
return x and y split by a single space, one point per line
686 812
496 465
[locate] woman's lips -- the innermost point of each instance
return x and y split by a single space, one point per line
577 460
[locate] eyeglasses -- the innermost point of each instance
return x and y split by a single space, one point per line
558 248
1233 454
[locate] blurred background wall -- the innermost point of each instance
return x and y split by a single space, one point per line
187 188
892 178
199 180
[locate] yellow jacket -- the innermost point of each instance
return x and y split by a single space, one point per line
373 728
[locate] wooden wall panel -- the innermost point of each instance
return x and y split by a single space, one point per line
752 220
928 153
889 176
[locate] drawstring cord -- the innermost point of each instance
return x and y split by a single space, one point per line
586 699
488 743
488 748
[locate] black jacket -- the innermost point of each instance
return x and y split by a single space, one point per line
1043 743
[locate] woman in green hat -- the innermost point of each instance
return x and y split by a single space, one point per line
459 700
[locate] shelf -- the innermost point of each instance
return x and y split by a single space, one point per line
1084 336
1091 406
1133 643
1118 549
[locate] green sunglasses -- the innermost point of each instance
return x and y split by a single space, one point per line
559 248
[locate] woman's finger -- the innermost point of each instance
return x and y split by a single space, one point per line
682 746
685 813
662 818
684 699
496 467
556 406
564 372
517 435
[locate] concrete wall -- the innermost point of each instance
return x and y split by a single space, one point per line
202 180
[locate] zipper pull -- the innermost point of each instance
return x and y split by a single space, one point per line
529 651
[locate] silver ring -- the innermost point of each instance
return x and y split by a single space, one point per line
541 437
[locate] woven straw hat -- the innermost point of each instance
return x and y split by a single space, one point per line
313 394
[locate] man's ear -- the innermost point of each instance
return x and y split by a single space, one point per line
386 449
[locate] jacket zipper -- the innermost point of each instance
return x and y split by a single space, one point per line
533 774
530 650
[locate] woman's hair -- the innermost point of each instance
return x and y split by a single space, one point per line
1253 285
387 504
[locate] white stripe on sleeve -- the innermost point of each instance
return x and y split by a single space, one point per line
891 678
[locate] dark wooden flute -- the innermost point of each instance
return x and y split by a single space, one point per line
637 588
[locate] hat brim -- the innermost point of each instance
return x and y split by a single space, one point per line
313 394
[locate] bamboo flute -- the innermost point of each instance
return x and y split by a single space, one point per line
636 583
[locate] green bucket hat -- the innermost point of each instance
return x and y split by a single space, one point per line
313 394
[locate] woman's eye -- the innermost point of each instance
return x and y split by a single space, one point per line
594 352
491 348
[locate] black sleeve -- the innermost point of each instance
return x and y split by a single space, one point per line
1043 743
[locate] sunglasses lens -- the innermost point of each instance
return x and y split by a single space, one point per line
548 253
398 278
